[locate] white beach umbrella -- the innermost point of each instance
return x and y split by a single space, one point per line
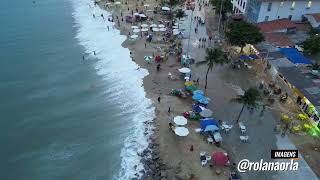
180 120
144 25
175 27
134 27
162 29
118 2
144 29
134 36
161 26
142 15
164 8
136 30
153 25
184 70
136 14
206 113
146 5
176 24
181 131
155 29
108 3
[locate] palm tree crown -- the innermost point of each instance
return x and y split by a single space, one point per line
214 56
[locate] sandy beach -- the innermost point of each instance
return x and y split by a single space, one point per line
169 156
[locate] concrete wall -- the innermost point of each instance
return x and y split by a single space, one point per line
279 10
239 6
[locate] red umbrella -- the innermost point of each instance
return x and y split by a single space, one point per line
220 158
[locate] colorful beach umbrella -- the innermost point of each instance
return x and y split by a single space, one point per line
197 97
188 83
198 92
192 88
204 100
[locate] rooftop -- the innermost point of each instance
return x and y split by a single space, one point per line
303 80
278 39
279 24
316 16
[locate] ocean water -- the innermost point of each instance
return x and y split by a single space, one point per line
62 117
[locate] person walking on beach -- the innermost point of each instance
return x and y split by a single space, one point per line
108 28
159 99
94 16
83 58
94 52
145 45
158 67
169 110
102 16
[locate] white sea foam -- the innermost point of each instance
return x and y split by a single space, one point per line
116 66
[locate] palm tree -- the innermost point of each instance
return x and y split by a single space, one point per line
214 56
180 14
249 99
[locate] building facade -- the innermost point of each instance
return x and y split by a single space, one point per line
239 6
268 10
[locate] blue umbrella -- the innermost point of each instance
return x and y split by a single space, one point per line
211 128
197 97
244 57
196 108
204 100
198 92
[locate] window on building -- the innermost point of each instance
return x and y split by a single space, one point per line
269 6
309 4
281 4
293 4
244 5
266 18
290 17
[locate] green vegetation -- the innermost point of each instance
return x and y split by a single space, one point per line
226 7
311 45
214 56
250 99
240 33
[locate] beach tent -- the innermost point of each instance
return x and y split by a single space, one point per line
197 108
206 113
148 59
206 122
180 120
197 97
244 57
220 158
198 92
181 131
211 128
294 56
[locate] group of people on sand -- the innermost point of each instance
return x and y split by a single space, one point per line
202 42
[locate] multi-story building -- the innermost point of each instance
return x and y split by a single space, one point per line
268 10
239 6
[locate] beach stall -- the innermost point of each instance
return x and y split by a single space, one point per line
180 120
181 131
211 128
208 121
220 159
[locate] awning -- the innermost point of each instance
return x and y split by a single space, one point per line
206 122
294 56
